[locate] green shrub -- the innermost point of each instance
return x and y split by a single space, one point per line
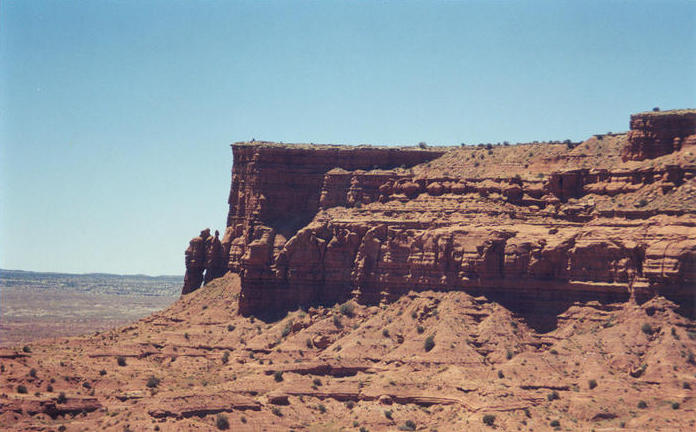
429 343
409 425
489 419
347 309
675 405
152 382
647 329
221 422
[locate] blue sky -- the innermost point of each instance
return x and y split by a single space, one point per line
115 116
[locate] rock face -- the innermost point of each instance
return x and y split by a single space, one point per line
320 224
655 134
205 261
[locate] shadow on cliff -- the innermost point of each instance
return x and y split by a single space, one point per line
541 310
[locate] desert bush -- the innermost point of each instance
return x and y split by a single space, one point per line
278 376
675 405
316 382
121 361
501 375
385 333
642 404
592 384
221 422
26 349
409 425
21 389
286 330
152 382
429 343
509 354
388 414
363 429
309 343
555 423
276 411
347 309
230 327
61 398
350 404
226 357
489 419
49 388
420 329
32 373
86 385
553 396
422 145
321 408
102 372
656 109
337 321
647 329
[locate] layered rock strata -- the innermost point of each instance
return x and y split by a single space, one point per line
320 224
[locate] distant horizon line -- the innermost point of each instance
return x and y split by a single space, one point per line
2 270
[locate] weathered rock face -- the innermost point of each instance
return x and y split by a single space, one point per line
323 224
205 261
655 134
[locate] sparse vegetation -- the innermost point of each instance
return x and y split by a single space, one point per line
221 422
347 309
555 423
21 389
121 361
429 343
553 396
230 328
675 405
385 333
592 384
337 321
321 408
647 329
422 145
26 349
152 382
309 343
32 373
501 375
388 414
642 404
102 372
286 330
489 419
409 425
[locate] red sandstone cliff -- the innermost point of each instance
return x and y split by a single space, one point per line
531 225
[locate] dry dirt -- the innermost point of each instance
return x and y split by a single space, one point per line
343 368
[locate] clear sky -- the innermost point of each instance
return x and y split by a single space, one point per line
115 116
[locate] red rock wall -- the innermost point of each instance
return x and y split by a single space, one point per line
655 134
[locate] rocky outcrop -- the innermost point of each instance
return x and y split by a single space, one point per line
655 134
321 224
205 261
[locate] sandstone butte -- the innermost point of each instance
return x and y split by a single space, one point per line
541 286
